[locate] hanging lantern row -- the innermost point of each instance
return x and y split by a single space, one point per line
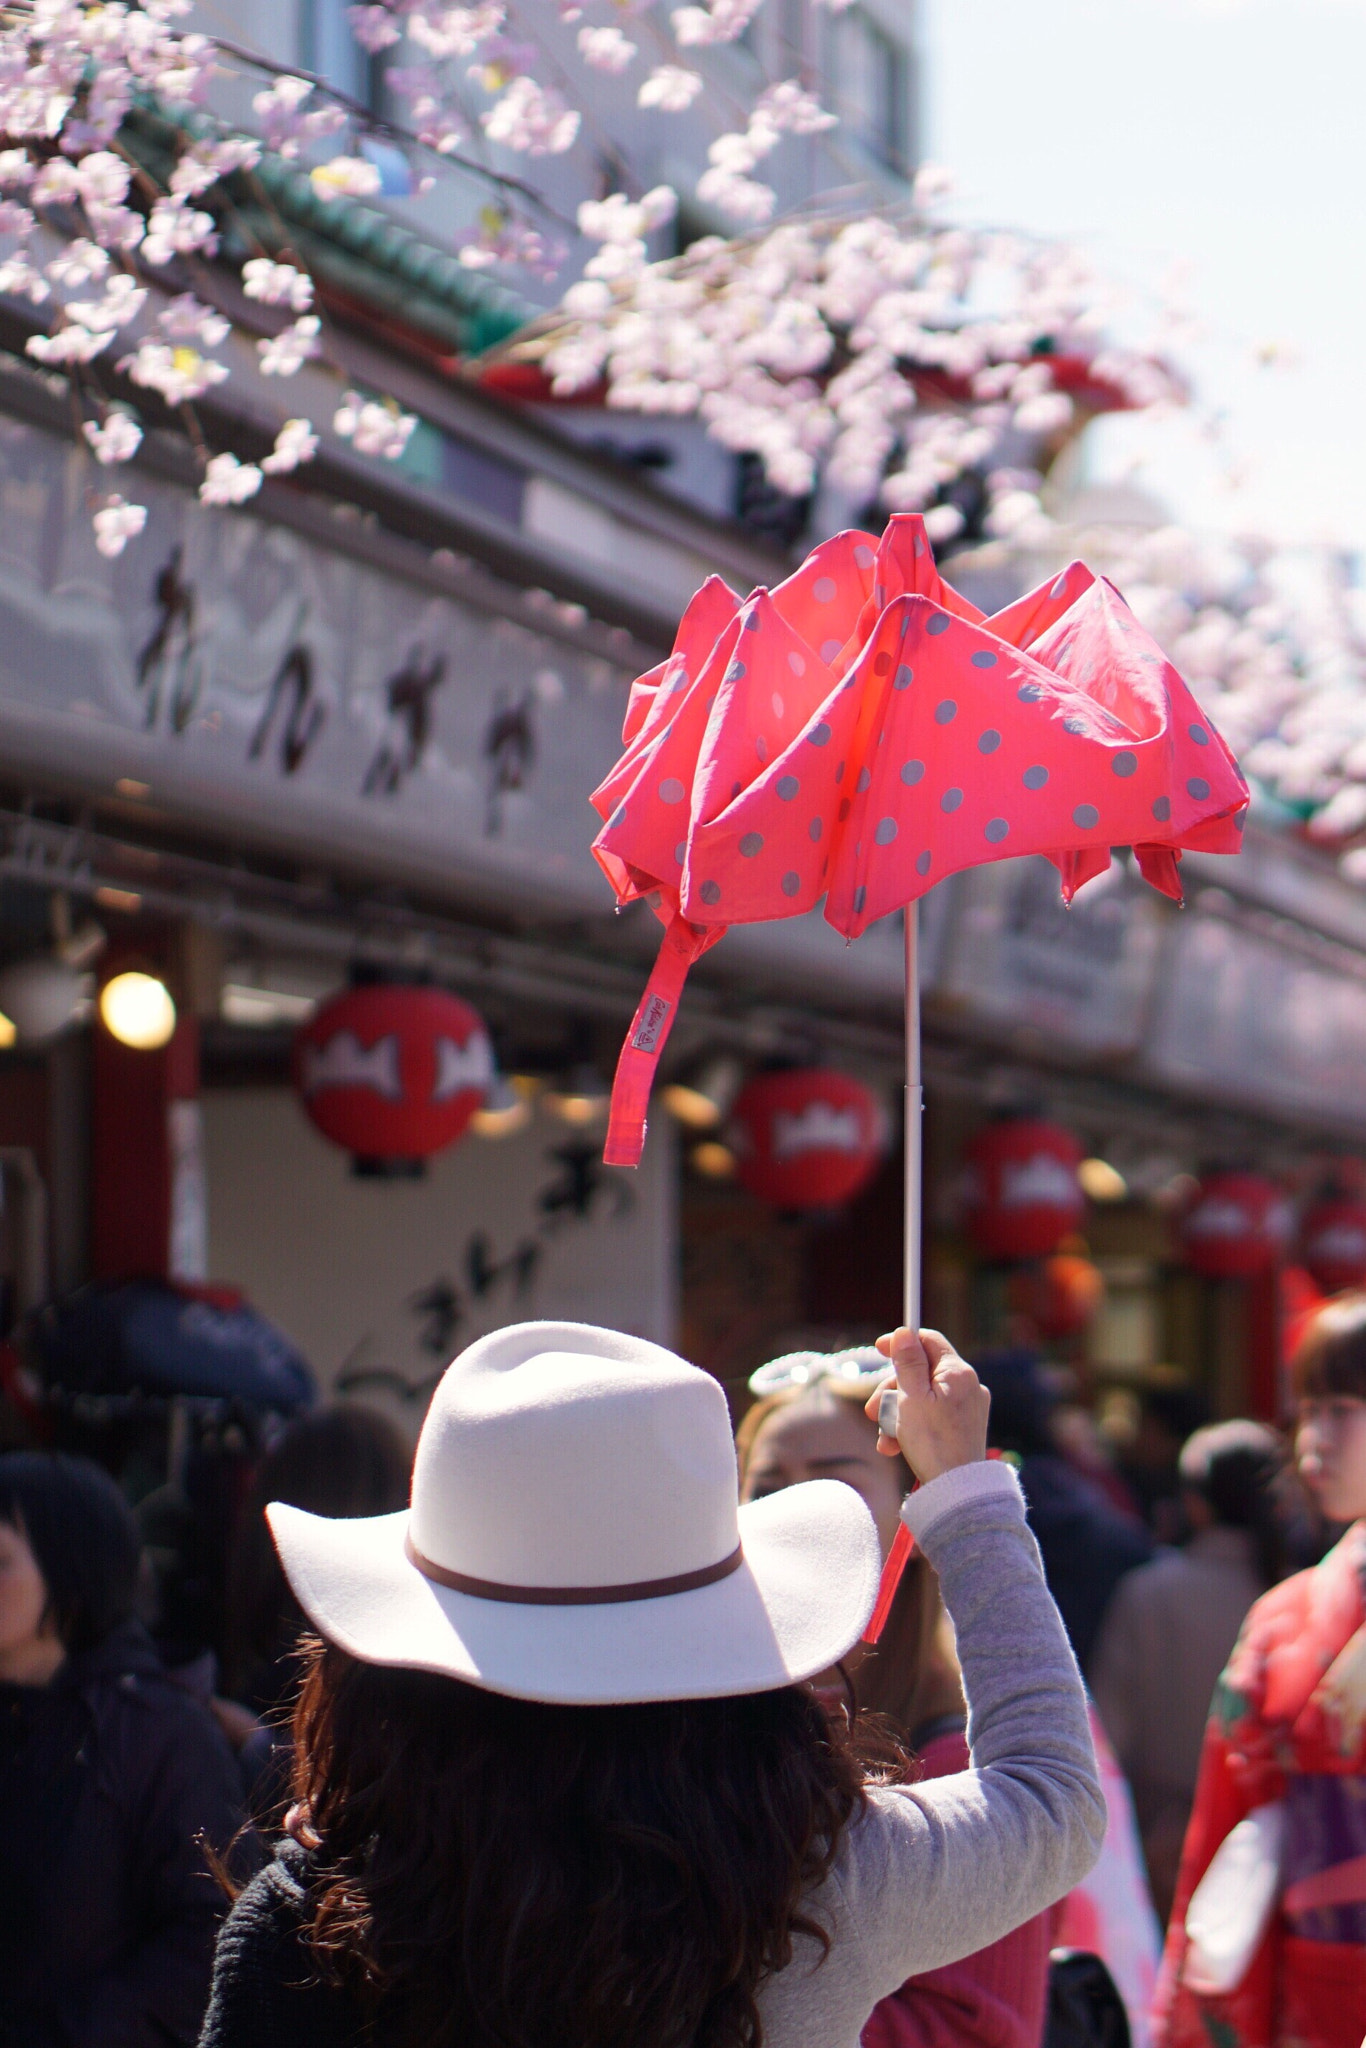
394 1073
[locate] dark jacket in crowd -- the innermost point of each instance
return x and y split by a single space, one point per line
108 1778
267 1991
1085 1544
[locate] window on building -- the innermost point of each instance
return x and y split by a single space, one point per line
332 52
872 86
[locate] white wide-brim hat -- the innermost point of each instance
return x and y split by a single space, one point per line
575 1537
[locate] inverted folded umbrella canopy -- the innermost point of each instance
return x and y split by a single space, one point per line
862 731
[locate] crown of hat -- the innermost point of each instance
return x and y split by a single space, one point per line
557 1454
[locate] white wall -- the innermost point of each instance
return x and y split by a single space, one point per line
337 1262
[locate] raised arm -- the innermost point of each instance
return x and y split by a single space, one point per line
936 1871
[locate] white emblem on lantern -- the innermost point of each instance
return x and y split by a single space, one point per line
1041 1182
344 1063
462 1067
820 1127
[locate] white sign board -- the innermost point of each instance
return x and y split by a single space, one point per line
379 1283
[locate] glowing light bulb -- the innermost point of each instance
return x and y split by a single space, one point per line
1101 1181
138 1011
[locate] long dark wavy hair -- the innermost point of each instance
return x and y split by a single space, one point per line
495 1873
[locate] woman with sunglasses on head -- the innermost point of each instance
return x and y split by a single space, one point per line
1278 1956
808 1422
561 1779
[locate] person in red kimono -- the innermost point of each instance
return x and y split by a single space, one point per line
1288 1728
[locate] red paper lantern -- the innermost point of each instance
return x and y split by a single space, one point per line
1236 1226
1060 1296
1333 1243
1023 1196
392 1072
807 1138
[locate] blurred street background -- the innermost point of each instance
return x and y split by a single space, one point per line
311 988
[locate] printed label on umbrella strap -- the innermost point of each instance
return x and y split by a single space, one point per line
648 1033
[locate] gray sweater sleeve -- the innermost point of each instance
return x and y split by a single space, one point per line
935 1871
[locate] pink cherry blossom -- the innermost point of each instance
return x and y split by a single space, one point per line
116 523
228 481
115 439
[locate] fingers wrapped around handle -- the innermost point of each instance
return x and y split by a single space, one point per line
933 1412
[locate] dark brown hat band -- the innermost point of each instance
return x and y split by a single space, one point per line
573 1596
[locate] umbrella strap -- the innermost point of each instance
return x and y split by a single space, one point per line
647 1037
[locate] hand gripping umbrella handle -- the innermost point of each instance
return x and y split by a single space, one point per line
647 1037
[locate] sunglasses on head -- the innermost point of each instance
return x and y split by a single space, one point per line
861 1366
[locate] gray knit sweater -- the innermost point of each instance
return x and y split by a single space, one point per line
925 1875
936 1871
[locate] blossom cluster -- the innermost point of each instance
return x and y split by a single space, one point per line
864 349
1273 641
857 348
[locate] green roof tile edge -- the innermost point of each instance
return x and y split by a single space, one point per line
357 248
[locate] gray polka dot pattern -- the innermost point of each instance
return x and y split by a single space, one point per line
1030 693
681 851
791 882
1198 788
864 780
671 790
983 658
787 786
1199 735
950 800
922 863
1162 809
938 624
1035 777
1086 817
886 831
1125 763
819 735
912 772
1074 724
945 711
989 741
814 830
860 898
711 892
996 830
752 843
903 678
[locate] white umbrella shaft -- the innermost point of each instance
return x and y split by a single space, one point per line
914 1112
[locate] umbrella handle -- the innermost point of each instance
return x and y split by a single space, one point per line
915 1105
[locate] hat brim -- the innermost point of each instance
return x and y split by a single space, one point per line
799 1600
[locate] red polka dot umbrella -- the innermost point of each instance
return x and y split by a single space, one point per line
860 732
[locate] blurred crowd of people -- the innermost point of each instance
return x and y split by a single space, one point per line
1213 1601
